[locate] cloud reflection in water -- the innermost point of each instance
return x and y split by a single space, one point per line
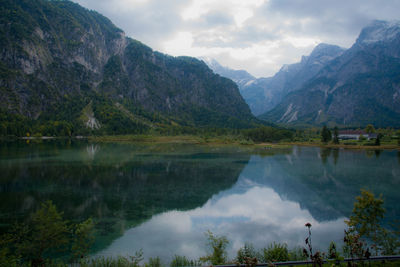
258 216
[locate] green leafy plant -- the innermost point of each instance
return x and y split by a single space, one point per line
246 252
154 262
47 233
276 252
365 228
46 239
179 261
83 239
365 220
217 246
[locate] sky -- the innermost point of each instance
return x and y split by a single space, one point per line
255 35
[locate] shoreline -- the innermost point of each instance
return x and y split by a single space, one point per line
197 140
344 146
210 141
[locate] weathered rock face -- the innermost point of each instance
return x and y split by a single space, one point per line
264 94
56 54
360 86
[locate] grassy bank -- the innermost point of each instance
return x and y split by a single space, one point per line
178 139
239 140
344 145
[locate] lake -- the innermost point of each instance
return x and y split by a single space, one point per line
163 198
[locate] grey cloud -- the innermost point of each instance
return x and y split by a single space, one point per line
215 19
250 34
150 22
336 22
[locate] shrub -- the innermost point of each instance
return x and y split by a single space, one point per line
180 261
247 251
276 252
154 262
217 246
267 134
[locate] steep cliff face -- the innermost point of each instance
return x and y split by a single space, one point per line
51 49
264 94
359 87
59 60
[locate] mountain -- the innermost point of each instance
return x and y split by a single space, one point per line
63 66
264 94
240 77
360 86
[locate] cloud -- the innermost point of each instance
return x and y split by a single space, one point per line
258 216
257 35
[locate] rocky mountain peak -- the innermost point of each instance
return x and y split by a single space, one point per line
326 50
240 77
323 53
358 87
379 31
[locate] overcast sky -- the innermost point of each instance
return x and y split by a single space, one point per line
256 35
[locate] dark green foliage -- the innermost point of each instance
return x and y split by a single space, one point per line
49 232
336 135
83 239
378 139
267 134
154 262
14 124
115 81
115 121
333 253
46 235
365 224
369 128
18 125
7 259
276 252
326 135
180 261
368 211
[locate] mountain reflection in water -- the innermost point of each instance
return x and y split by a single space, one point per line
258 216
272 200
162 198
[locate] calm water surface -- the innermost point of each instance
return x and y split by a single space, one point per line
163 198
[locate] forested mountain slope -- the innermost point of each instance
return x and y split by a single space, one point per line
67 70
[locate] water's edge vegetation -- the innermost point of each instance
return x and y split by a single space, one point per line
46 239
387 138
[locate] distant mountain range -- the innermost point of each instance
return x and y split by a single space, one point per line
334 86
263 94
65 65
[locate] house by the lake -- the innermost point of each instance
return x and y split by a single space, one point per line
355 135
